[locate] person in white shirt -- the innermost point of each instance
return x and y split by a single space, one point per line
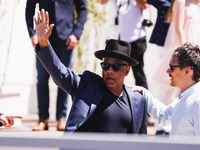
184 112
129 20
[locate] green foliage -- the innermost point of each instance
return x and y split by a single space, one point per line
99 13
91 37
94 9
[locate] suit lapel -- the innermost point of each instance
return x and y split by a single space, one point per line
100 90
134 106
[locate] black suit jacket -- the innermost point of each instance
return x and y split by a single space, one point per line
61 13
87 90
161 27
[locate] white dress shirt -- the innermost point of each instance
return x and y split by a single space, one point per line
130 21
183 113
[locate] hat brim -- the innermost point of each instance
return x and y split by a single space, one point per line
103 53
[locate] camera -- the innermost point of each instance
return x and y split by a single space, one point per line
147 23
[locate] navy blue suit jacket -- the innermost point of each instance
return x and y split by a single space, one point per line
87 90
61 13
160 30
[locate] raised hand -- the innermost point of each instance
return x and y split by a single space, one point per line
137 89
43 30
142 4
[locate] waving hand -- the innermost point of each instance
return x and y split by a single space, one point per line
43 29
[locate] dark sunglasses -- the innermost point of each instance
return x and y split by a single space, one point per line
171 67
115 67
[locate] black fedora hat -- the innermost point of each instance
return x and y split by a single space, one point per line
117 49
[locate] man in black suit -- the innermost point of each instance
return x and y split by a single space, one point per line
99 104
64 39
160 29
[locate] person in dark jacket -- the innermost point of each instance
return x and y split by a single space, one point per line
100 104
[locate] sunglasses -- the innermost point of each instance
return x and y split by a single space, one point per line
171 67
115 67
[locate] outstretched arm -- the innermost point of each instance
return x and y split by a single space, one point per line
64 77
43 29
155 108
8 121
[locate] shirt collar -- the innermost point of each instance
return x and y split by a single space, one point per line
184 94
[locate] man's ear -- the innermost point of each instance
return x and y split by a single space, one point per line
188 71
127 70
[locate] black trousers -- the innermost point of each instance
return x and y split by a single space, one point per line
137 52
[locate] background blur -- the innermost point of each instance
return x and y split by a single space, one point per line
17 56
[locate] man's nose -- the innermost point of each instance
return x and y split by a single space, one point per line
110 69
168 71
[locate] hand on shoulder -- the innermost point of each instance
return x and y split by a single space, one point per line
138 89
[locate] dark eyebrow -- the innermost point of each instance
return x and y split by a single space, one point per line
116 61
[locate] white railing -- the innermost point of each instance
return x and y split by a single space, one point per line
96 142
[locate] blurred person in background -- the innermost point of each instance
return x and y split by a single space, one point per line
158 37
129 19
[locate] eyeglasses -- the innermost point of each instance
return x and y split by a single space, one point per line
171 67
115 67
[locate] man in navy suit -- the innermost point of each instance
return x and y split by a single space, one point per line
100 104
64 39
159 32
161 27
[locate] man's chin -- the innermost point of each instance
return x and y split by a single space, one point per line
172 84
109 85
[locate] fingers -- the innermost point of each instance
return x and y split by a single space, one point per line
71 45
3 120
10 123
35 20
39 17
72 42
68 41
47 17
14 117
43 29
51 27
43 17
10 120
138 89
